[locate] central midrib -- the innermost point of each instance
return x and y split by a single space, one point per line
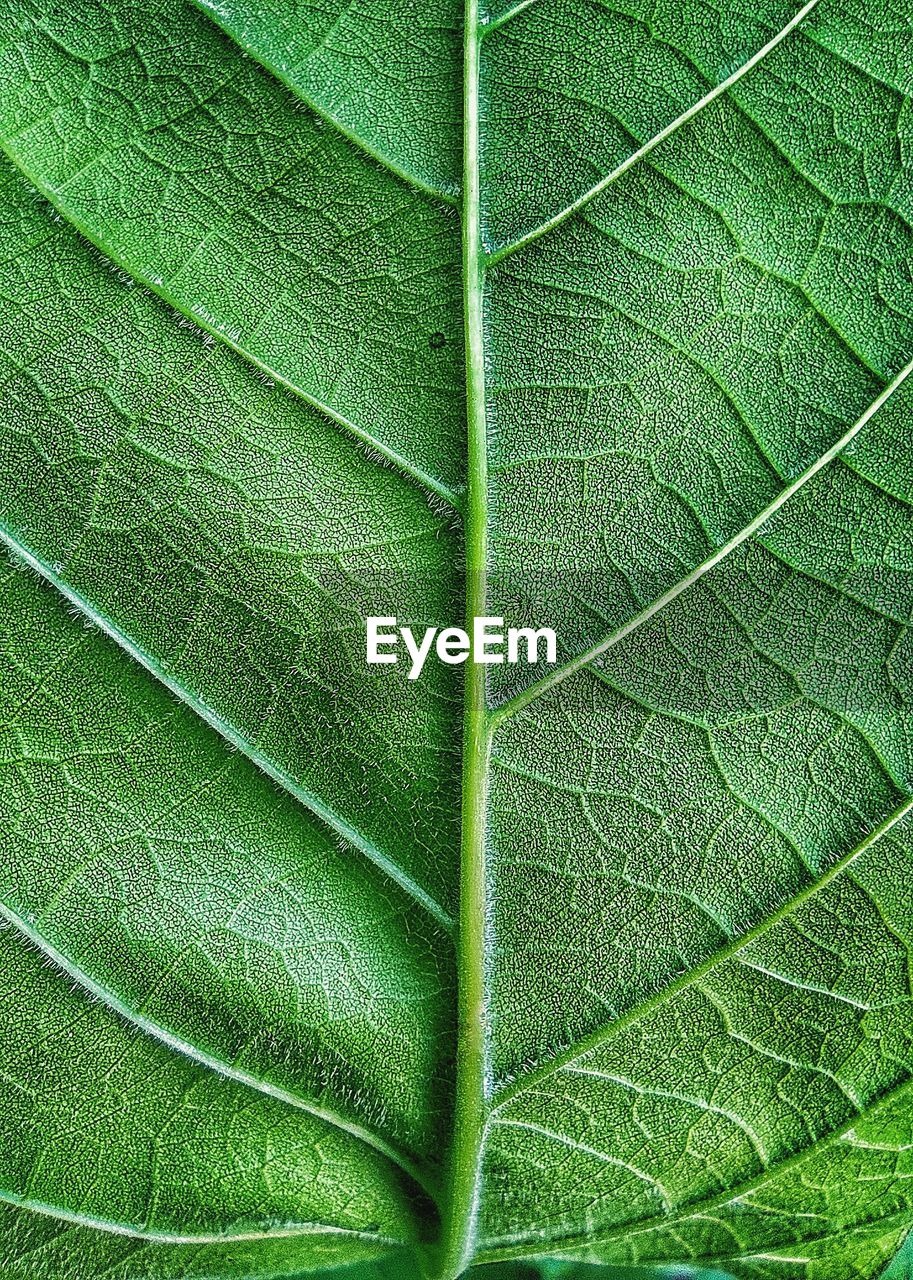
460 1224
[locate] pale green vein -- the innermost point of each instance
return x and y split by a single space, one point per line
649 1006
213 11
888 1222
897 1221
289 1232
508 16
407 468
558 674
225 730
461 1221
700 1208
187 1049
701 1104
603 1157
717 91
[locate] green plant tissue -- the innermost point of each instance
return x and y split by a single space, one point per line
456 676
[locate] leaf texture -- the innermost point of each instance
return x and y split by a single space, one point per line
572 311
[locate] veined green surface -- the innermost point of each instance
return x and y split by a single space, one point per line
594 313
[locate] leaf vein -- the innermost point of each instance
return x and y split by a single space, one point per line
558 674
606 1033
431 484
211 11
584 199
279 776
189 1050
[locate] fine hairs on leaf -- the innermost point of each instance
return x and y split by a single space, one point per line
594 315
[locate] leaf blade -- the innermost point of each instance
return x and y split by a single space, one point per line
232 977
335 71
146 1197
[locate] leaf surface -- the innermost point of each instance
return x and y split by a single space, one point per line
591 315
200 1162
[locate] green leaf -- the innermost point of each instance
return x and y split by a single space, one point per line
590 314
79 1081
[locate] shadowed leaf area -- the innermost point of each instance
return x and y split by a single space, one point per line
594 314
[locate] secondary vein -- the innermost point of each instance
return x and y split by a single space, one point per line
705 1206
226 731
177 1238
403 465
148 1026
508 16
212 11
558 674
584 199
649 1006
